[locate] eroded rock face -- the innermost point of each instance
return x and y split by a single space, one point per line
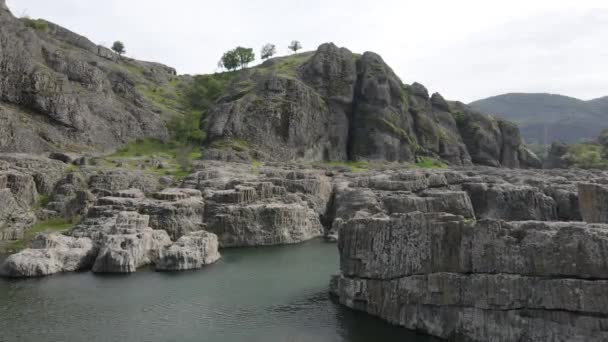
50 254
191 251
452 278
333 105
129 245
59 89
277 206
593 200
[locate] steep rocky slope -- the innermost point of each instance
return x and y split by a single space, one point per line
60 91
333 104
545 118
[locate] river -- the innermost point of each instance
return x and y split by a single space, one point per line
255 294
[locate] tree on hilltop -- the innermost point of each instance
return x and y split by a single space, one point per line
235 58
295 46
119 47
268 51
245 56
229 60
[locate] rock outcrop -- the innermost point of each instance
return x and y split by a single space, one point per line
276 206
191 251
59 91
129 245
333 105
50 254
593 199
477 281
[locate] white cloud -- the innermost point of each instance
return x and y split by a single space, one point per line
465 49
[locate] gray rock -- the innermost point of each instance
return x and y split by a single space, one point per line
50 254
478 281
60 89
511 202
264 224
191 251
593 202
129 245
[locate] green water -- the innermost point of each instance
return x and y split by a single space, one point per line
257 294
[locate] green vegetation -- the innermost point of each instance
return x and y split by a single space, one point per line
50 225
255 166
287 66
119 47
587 156
460 118
36 24
176 158
239 57
42 202
238 145
268 51
430 163
355 166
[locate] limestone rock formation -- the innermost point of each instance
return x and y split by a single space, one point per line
50 254
129 245
488 280
332 105
593 199
191 251
59 90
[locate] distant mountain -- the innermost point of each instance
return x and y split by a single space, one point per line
544 118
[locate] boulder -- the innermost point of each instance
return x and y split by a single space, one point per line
191 251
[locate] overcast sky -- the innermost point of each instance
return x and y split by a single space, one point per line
464 49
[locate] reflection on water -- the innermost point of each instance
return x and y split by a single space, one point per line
263 294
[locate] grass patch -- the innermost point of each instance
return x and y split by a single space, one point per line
238 145
50 225
286 66
176 158
430 163
255 166
355 166
42 202
36 24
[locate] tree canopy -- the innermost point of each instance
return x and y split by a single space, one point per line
238 57
268 51
119 47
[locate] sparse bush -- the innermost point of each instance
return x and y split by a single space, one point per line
182 156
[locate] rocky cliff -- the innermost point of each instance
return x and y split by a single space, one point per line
60 91
333 105
479 255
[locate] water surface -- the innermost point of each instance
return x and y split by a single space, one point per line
256 294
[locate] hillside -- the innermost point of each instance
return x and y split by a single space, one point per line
335 105
60 92
544 118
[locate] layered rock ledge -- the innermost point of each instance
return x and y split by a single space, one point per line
521 269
